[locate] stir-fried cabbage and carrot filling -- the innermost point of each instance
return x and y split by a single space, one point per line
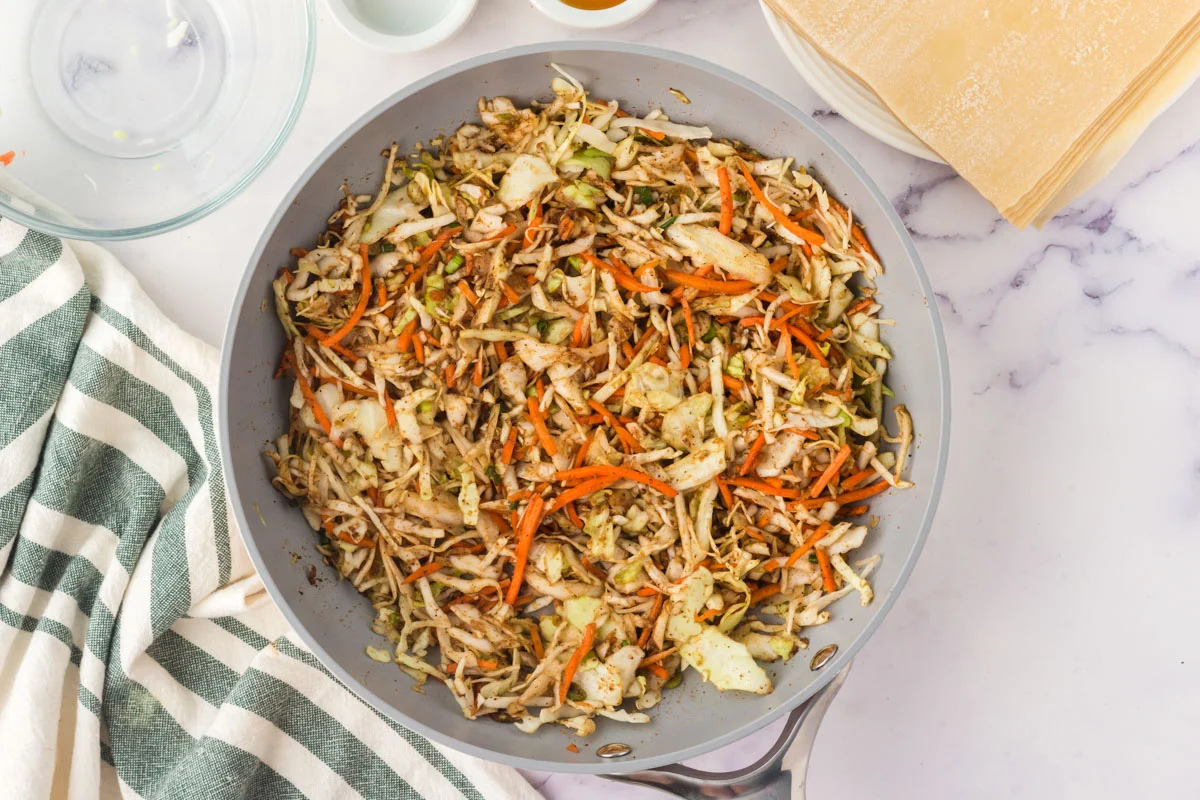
582 399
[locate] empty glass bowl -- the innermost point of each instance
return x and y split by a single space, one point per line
126 118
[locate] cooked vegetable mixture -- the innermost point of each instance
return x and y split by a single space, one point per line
582 399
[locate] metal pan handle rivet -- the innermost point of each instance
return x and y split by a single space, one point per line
822 656
614 750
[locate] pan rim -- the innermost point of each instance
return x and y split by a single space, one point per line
845 654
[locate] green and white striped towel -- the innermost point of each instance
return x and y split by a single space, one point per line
139 654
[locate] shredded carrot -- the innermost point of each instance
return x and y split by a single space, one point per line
830 471
763 592
826 570
539 425
765 488
816 536
623 278
860 305
813 348
845 498
509 293
661 655
592 568
726 494
7 158
363 299
779 264
415 276
406 336
793 367
602 471
579 331
565 226
285 363
346 537
752 454
507 230
732 383
810 236
582 490
381 294
655 610
657 136
645 338
350 387
506 455
858 477
861 238
755 534
449 376
501 351
573 515
689 322
525 530
726 224
584 648
419 347
648 591
482 663
319 413
623 434
535 640
389 411
709 614
430 250
647 267
535 219
581 453
693 281
659 670
423 572
467 292
572 748
477 373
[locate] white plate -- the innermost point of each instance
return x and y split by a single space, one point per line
843 92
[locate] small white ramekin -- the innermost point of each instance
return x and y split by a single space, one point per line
619 14
399 35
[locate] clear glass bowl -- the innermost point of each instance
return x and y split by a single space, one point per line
127 118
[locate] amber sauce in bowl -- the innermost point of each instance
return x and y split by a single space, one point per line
592 5
593 13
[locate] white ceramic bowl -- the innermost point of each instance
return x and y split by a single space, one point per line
402 26
620 14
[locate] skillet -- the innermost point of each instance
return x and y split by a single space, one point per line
333 619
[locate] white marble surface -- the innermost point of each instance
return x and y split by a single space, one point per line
1047 645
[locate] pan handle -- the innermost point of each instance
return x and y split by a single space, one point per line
778 775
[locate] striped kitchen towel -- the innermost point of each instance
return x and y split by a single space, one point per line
139 654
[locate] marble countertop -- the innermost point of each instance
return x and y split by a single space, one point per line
1046 645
